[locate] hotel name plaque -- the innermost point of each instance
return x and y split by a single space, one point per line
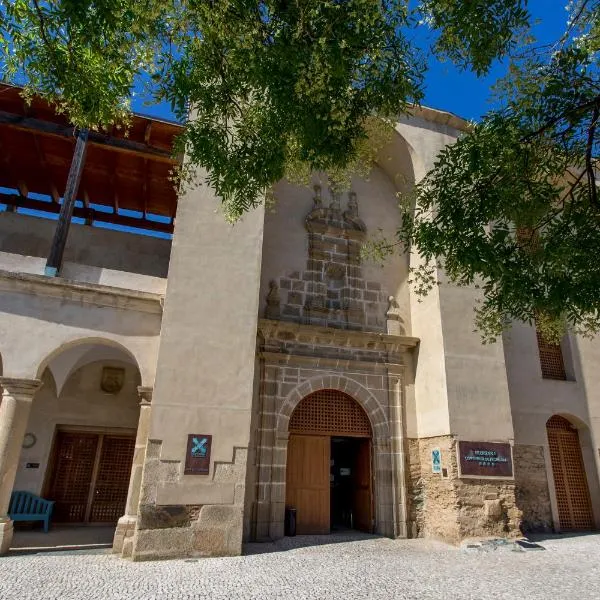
485 459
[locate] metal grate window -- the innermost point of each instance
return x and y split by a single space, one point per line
570 482
551 359
330 412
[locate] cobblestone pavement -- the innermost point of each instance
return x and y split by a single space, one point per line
306 568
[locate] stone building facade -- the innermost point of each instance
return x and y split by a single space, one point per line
317 380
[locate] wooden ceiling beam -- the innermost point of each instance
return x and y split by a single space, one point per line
83 213
148 133
95 138
54 194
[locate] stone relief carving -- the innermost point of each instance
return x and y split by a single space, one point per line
332 290
112 379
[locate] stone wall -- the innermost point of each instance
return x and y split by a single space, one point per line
450 508
532 494
177 530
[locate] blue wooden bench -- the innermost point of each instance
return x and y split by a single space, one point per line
25 506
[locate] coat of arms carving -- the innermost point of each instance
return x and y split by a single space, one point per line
112 380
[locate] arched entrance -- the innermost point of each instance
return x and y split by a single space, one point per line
328 473
83 425
570 481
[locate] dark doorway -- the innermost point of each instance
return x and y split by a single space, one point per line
350 484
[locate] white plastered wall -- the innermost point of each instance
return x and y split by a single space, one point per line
535 399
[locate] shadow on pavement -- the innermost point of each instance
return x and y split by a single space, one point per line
304 541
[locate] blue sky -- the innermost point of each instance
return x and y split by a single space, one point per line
448 89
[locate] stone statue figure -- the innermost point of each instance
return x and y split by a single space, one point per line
273 310
395 324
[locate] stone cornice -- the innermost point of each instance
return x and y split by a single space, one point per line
441 117
87 293
331 336
322 362
20 387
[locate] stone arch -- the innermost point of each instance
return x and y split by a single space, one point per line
575 421
400 162
64 360
366 400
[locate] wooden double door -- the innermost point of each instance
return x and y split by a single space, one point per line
310 481
89 477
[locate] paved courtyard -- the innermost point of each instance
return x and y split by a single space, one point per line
306 568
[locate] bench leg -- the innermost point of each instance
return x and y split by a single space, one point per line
46 524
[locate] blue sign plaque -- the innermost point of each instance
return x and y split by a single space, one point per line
436 460
197 456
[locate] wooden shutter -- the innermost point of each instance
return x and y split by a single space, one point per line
570 481
112 480
551 359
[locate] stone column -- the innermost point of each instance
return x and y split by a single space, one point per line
126 525
17 395
398 454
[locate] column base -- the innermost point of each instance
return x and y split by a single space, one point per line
6 535
123 538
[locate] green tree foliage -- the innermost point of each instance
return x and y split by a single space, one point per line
277 87
513 206
281 88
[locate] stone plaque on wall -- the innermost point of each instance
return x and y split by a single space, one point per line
485 459
197 455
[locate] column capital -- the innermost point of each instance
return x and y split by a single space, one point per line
145 394
19 387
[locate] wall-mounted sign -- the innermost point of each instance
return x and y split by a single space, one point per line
32 465
197 456
485 459
436 460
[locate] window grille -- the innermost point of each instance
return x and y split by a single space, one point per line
330 412
570 482
551 359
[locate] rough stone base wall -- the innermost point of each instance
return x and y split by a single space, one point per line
447 507
176 531
532 493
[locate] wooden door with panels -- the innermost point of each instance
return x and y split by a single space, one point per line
570 481
317 418
90 475
363 486
307 485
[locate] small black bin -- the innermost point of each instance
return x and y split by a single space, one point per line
290 521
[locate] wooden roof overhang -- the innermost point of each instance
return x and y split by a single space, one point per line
123 171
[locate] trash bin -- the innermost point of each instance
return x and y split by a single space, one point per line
290 521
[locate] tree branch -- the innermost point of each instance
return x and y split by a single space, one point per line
589 165
592 103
